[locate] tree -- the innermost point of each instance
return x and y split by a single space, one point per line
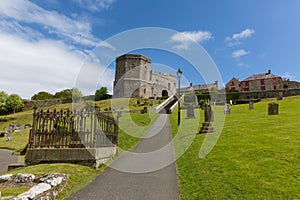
68 95
76 94
64 95
101 94
42 96
3 98
89 105
14 103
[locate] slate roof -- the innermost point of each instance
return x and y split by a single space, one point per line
198 87
260 76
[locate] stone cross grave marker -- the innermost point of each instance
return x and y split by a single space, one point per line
208 117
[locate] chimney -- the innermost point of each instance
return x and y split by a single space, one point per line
216 84
269 71
191 84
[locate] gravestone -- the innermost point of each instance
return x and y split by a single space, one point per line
272 108
190 112
8 134
152 103
251 105
227 109
208 117
280 96
143 111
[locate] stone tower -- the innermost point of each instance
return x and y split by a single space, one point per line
132 76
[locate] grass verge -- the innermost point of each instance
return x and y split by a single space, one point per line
80 176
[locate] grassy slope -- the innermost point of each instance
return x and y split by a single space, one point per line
80 176
256 157
132 127
20 139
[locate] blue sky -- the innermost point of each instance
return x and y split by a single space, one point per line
45 43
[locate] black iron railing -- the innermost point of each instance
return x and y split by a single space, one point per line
72 129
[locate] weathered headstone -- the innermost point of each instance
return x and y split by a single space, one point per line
8 134
251 105
272 108
152 103
227 109
280 96
144 110
190 112
208 116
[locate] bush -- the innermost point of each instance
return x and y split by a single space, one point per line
245 101
233 96
204 97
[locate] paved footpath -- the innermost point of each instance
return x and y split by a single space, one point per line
147 173
6 158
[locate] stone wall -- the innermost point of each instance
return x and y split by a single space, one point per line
287 84
262 84
233 85
161 82
93 157
269 94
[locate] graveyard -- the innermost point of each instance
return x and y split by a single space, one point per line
256 155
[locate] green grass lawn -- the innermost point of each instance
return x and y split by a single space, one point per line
256 157
132 127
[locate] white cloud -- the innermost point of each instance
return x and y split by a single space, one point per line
14 28
186 38
289 76
239 53
25 11
244 34
30 62
46 65
95 5
236 38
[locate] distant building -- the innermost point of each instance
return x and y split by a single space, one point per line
233 85
256 83
202 88
134 78
262 82
287 84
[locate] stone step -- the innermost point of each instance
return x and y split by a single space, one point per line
15 165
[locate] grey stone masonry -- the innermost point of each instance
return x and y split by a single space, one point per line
134 78
190 112
272 108
251 105
208 117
